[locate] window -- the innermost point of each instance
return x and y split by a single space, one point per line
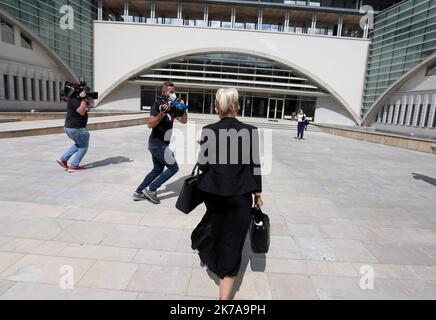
41 93
418 120
26 42
400 108
47 89
32 86
406 110
427 115
412 115
431 70
6 86
7 31
55 97
434 120
16 93
61 93
25 95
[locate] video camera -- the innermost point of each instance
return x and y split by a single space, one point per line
176 107
73 90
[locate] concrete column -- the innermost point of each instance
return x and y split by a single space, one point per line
409 111
391 113
340 23
379 117
44 89
179 11
37 89
403 110
56 91
385 113
126 11
417 105
432 116
100 10
366 30
424 110
153 11
206 14
313 25
286 26
50 90
29 75
29 87
259 19
233 18
11 87
396 111
20 87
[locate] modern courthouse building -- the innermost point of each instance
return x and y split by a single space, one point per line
346 62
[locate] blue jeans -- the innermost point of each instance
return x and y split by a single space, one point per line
162 157
80 146
300 133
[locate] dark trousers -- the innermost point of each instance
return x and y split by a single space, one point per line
162 157
220 236
300 132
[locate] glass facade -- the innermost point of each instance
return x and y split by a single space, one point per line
73 46
250 15
7 32
271 106
402 38
267 90
341 4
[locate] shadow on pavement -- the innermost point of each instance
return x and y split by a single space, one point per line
257 263
107 162
173 188
424 178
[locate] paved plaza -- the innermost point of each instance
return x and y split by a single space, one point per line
337 206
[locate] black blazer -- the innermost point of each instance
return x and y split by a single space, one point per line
235 168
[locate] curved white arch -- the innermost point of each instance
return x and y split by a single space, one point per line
28 33
371 116
253 53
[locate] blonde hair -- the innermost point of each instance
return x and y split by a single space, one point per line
227 100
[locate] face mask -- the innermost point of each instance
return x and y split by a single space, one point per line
173 97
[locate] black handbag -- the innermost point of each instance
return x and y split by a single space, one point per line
190 196
259 231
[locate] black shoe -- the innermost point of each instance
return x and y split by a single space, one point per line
139 196
151 195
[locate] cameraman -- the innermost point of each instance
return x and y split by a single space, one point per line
161 121
75 128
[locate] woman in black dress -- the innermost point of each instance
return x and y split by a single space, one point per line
229 157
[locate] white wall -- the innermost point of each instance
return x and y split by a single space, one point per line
36 56
126 97
328 111
339 64
420 82
37 63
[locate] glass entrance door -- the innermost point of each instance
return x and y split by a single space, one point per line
275 108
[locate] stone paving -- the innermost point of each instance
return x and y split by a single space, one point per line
336 205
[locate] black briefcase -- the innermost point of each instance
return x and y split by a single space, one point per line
259 231
190 196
